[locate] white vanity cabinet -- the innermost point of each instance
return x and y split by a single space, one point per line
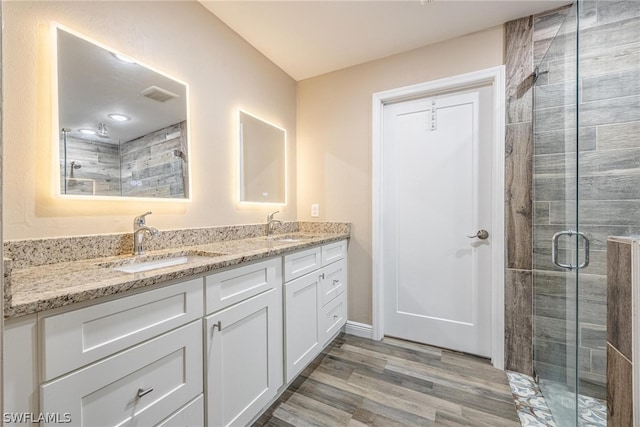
243 341
131 361
211 350
315 302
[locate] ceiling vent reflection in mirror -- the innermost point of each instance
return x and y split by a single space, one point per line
114 117
158 94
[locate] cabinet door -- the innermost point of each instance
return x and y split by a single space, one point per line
138 387
244 358
21 382
302 304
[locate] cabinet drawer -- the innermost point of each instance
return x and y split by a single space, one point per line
333 279
111 392
300 263
332 317
79 337
232 286
332 252
191 415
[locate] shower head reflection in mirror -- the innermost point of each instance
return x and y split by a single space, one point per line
125 123
262 161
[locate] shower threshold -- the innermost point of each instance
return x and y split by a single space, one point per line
534 411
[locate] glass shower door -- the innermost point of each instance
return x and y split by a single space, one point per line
586 179
557 245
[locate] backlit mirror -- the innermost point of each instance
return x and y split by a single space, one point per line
262 161
122 127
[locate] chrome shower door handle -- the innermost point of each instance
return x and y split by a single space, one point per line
481 234
554 249
585 247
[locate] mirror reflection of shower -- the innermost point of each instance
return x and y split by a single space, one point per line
153 165
74 165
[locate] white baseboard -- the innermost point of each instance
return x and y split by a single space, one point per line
361 330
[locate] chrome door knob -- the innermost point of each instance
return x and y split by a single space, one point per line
481 234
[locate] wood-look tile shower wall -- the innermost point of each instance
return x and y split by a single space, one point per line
518 186
155 165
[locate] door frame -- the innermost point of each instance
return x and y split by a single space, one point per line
495 77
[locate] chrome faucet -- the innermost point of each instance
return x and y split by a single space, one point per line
271 221
140 227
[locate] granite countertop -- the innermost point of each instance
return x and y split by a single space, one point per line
44 287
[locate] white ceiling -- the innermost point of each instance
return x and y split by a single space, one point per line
307 38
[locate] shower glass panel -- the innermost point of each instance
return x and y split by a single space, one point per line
555 176
586 179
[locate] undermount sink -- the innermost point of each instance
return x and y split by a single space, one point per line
143 263
287 238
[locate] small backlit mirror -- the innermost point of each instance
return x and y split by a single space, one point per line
262 147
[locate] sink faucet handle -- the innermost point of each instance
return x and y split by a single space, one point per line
270 216
139 220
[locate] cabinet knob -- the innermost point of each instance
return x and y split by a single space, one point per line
335 316
143 392
321 276
218 325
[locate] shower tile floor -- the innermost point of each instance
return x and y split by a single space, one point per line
534 412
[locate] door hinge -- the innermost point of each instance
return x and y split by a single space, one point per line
434 117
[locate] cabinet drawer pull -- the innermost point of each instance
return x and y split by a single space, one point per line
218 325
335 282
335 316
144 392
321 276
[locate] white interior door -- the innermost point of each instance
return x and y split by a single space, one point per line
436 185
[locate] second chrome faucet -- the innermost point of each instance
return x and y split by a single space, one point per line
140 230
271 221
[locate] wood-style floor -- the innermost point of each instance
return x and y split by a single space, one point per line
357 382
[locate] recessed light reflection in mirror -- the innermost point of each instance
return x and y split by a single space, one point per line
119 117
